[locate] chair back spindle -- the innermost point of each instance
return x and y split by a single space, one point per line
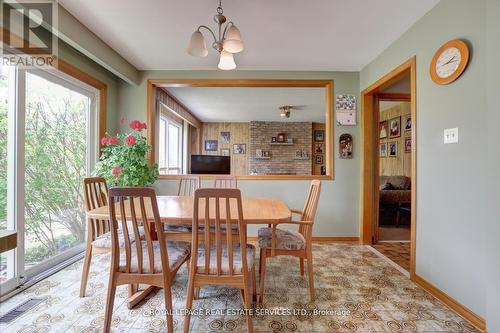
225 182
95 195
187 185
310 207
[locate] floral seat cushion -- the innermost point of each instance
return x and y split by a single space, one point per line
285 239
104 241
177 252
237 263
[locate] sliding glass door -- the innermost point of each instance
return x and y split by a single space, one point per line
51 147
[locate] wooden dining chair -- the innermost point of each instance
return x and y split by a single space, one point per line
188 184
182 232
98 236
219 258
225 182
277 242
153 263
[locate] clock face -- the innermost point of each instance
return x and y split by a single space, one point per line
448 62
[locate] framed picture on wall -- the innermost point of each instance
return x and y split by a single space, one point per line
382 129
211 145
225 137
319 135
225 151
383 150
407 122
395 127
319 148
393 149
407 145
239 148
319 159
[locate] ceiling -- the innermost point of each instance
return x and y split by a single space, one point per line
236 104
278 34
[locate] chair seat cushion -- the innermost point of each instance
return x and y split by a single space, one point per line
285 239
237 263
177 252
104 241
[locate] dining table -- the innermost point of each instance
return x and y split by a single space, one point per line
179 210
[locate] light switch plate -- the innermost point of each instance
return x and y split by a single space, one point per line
451 135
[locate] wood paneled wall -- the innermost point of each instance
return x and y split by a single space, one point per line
316 168
400 165
239 134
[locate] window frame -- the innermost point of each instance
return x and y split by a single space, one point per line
180 148
70 77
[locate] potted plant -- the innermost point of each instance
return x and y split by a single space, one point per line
123 160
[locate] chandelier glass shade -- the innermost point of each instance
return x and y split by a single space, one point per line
227 43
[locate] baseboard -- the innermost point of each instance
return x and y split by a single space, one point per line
323 240
453 304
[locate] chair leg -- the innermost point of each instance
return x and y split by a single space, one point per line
301 266
189 303
110 300
248 307
168 306
311 273
197 293
260 261
254 285
85 270
262 276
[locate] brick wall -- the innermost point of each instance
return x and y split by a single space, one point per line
282 158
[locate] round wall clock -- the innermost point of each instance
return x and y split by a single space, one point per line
449 62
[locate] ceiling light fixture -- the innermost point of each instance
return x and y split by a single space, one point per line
228 41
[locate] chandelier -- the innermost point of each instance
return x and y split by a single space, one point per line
227 41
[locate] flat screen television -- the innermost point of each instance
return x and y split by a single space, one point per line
210 164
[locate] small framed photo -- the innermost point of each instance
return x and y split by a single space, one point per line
319 135
395 127
407 122
319 148
281 137
407 145
274 139
239 149
225 137
225 152
319 159
383 150
382 129
266 153
211 145
393 149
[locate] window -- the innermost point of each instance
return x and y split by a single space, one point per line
170 146
48 144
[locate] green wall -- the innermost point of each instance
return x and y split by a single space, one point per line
75 58
339 204
451 179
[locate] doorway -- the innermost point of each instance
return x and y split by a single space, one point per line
388 184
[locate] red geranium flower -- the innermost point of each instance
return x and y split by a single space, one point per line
136 125
131 140
112 140
116 171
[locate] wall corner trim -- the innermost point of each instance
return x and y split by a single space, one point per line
476 320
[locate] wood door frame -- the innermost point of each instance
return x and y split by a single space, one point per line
393 97
369 137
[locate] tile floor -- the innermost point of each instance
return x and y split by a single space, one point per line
359 291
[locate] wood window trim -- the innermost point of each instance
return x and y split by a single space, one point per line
328 85
78 74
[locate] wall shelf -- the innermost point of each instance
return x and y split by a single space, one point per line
281 143
262 158
301 158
